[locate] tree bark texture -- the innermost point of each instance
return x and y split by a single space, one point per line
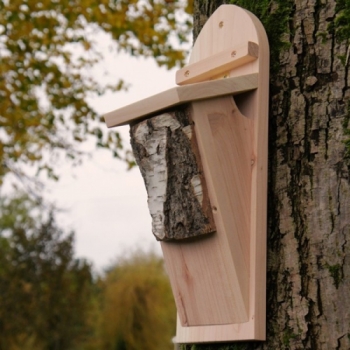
166 151
308 291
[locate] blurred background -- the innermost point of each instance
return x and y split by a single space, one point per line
79 266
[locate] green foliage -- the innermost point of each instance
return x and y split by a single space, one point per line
346 130
288 335
274 15
341 28
47 49
336 271
342 21
45 292
49 300
138 310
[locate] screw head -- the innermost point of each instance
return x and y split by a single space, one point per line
233 53
187 73
221 24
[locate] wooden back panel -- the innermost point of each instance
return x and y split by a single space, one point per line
219 282
227 300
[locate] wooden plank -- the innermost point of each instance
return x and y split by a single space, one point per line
218 64
219 282
210 277
180 95
212 333
231 26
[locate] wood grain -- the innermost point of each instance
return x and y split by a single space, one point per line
231 26
213 288
216 66
179 95
219 281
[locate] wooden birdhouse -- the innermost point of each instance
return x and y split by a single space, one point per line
202 151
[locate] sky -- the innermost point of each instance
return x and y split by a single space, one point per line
105 204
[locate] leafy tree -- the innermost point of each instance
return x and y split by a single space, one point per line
138 310
45 292
47 49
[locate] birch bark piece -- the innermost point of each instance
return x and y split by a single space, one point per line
166 151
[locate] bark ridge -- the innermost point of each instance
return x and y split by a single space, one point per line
166 151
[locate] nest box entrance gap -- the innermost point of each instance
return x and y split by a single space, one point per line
203 156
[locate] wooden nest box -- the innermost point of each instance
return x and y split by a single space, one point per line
202 151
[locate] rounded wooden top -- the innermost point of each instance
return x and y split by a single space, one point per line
230 27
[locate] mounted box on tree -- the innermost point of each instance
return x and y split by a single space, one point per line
202 151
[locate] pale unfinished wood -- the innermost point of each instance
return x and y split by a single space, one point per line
219 64
212 287
179 95
231 26
219 282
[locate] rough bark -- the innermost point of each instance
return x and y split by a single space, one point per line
202 10
308 288
166 151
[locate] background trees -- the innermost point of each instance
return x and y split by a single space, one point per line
49 299
45 291
47 51
138 309
309 208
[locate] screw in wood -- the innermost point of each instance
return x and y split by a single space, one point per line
215 208
187 73
233 53
221 24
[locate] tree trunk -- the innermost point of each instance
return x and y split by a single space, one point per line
308 291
